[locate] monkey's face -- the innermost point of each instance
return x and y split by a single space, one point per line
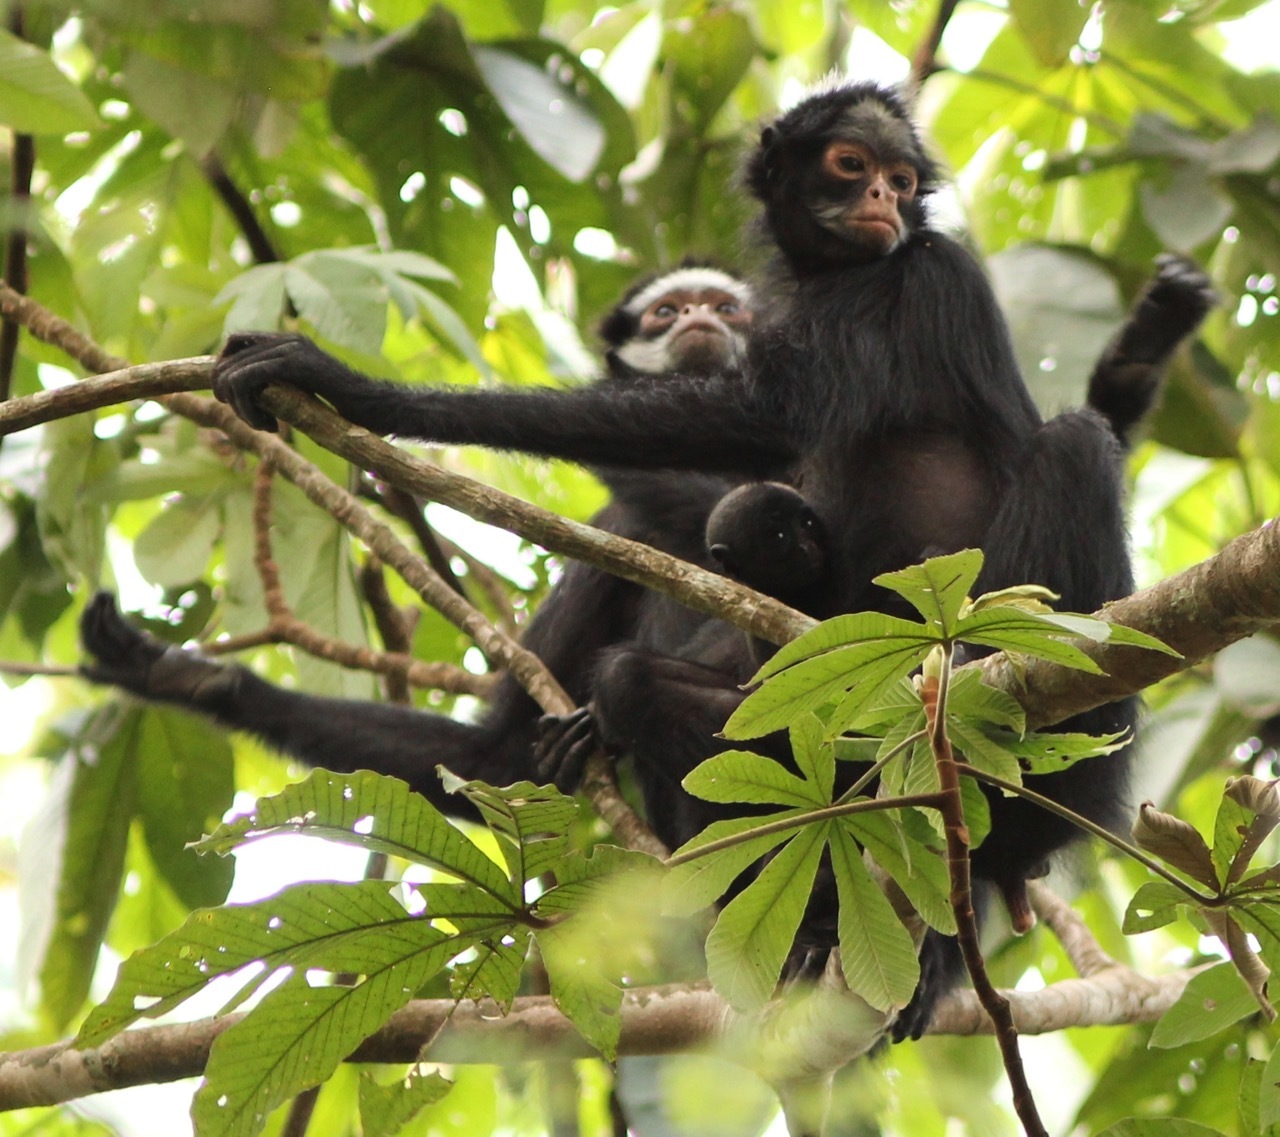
861 197
690 330
842 177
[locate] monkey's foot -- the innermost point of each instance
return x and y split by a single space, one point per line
141 664
565 742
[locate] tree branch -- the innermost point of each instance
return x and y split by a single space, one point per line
808 1036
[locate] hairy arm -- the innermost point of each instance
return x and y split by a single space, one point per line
681 422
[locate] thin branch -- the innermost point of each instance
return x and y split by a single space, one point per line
12 667
1119 843
925 61
1077 940
933 693
284 625
261 246
120 385
409 510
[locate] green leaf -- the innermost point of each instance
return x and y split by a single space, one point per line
693 886
352 928
93 804
876 951
587 997
856 674
579 878
175 548
386 1110
1159 1127
559 126
856 629
257 298
35 97
1174 842
494 971
1153 906
1014 630
750 941
1211 1002
1051 29
741 776
1043 752
534 820
982 752
814 757
939 587
185 784
918 869
1243 822
373 812
971 699
1269 1093
344 300
300 1032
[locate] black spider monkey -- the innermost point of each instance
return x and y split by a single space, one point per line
694 317
766 535
838 388
691 319
881 360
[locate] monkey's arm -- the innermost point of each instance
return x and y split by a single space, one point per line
343 735
688 423
1126 379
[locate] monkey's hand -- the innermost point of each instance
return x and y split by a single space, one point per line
252 361
1181 290
139 663
565 742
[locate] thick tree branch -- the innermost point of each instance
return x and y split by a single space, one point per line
1234 594
814 1034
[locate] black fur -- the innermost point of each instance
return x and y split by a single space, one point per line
886 391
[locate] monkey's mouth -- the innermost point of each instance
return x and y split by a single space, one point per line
701 328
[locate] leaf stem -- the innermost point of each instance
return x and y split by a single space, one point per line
1090 827
879 765
809 817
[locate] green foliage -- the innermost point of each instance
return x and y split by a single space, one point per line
844 669
385 151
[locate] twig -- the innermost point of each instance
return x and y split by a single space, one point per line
933 692
121 385
284 625
409 510
260 245
394 626
11 667
925 61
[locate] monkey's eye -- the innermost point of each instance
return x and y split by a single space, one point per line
665 311
728 308
844 161
903 183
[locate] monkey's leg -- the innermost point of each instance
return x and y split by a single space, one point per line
1126 380
337 734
